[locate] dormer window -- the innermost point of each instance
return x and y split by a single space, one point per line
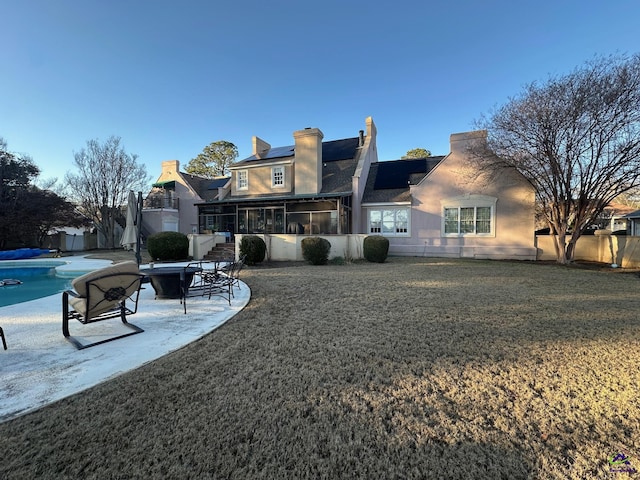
243 180
277 177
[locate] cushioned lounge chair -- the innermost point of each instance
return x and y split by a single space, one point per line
102 295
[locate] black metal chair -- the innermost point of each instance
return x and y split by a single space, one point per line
210 281
232 270
103 295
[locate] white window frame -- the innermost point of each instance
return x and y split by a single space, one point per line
389 215
275 173
242 180
467 203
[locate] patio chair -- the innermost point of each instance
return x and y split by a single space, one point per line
209 281
4 341
102 295
232 270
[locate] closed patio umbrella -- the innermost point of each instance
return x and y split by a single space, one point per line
130 234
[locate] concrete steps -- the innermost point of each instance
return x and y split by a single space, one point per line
222 251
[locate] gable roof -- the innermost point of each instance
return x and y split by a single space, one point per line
389 181
332 151
206 188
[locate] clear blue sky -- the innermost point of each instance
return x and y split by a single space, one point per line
170 77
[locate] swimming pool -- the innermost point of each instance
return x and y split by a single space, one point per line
38 280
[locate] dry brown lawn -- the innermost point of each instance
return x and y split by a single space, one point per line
411 369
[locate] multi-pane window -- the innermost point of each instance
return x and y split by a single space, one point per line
467 220
243 180
277 177
389 221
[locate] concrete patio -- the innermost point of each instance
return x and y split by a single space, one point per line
40 366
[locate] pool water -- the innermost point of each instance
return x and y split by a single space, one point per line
37 282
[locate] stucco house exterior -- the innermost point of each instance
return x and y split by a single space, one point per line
170 205
313 187
437 206
444 207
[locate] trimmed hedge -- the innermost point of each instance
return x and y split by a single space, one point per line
315 250
254 248
376 248
168 246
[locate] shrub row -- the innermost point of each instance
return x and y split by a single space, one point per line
316 250
165 246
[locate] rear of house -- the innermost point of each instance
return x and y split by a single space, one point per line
446 207
440 206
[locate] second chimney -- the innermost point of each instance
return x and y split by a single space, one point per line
308 161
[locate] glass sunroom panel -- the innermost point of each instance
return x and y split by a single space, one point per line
242 221
278 220
321 223
256 220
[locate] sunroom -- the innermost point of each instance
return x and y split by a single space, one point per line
329 214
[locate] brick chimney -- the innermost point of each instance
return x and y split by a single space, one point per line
308 161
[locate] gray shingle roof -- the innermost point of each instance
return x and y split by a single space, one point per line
337 176
206 188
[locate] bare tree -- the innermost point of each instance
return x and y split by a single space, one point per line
214 160
105 174
576 138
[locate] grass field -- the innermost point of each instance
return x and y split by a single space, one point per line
415 368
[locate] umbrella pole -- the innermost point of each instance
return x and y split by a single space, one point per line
139 229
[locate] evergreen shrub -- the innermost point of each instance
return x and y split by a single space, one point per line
376 248
165 246
315 250
254 248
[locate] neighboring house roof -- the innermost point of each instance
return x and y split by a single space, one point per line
332 151
619 210
390 181
635 214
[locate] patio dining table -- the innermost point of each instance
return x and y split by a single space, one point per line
166 281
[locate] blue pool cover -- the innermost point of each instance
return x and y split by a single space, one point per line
22 253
